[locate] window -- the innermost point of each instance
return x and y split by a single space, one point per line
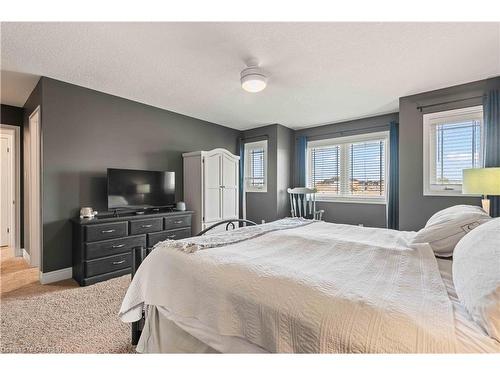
256 166
349 168
453 141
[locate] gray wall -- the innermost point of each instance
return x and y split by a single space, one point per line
85 131
414 208
273 204
285 151
10 115
372 215
259 205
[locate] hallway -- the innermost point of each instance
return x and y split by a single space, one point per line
15 272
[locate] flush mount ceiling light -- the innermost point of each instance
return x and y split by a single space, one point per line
253 78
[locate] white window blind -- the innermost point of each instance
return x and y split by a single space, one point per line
367 168
325 169
256 166
349 168
256 178
453 141
457 148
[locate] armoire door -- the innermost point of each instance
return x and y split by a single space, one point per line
229 187
212 188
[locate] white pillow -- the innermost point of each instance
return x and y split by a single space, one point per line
445 228
476 275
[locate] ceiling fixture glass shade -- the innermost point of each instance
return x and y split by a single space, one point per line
253 79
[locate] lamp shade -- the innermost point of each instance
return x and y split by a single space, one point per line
485 181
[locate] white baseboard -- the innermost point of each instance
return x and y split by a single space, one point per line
58 275
26 256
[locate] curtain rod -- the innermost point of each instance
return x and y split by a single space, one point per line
381 127
263 136
420 107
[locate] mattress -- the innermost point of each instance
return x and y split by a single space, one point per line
162 335
317 288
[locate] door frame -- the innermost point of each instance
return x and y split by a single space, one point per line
33 190
15 133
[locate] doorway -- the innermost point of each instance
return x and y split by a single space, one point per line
32 191
9 186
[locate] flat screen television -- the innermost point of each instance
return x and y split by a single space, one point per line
137 189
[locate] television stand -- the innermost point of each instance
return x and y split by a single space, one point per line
103 246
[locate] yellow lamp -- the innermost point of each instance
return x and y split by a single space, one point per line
485 181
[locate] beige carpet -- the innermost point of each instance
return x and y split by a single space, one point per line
66 320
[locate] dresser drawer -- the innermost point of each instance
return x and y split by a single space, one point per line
177 222
146 226
176 234
99 232
108 264
104 248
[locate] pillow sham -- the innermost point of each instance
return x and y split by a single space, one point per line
445 228
476 275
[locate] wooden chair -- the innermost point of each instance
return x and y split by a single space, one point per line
303 203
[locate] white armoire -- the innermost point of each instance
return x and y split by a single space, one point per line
211 187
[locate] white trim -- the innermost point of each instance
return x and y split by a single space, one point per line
26 256
54 276
431 119
33 187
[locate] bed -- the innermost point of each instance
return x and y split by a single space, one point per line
300 286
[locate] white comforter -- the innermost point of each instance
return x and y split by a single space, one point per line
321 288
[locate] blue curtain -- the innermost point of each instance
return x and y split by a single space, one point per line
393 187
301 161
491 107
241 147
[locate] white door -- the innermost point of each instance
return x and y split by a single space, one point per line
212 189
7 179
229 187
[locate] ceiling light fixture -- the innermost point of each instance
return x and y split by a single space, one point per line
253 78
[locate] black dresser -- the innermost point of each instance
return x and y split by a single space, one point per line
102 247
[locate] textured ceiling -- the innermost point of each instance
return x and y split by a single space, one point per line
318 72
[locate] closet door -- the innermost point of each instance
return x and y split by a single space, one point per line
212 188
229 187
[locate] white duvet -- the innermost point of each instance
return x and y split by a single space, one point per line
317 288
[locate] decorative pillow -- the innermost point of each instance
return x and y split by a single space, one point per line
445 228
476 275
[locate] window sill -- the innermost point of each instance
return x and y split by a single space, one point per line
256 191
449 194
351 200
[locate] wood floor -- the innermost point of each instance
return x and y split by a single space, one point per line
15 272
18 278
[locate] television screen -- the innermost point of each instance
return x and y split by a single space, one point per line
129 188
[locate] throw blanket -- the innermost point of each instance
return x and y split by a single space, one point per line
318 288
192 244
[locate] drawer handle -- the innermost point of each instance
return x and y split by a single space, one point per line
108 231
120 262
178 222
172 236
118 246
146 226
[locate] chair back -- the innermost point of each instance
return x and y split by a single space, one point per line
302 202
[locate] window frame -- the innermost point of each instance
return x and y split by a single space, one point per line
429 151
344 142
249 147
